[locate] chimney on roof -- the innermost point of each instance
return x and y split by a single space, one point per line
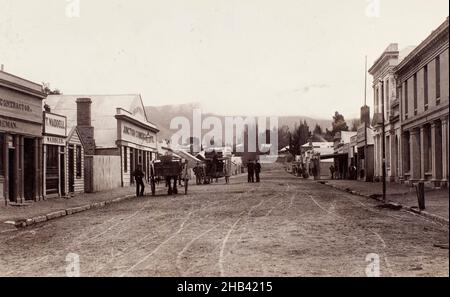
2 68
84 125
365 115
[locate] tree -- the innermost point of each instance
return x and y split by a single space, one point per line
283 137
317 130
300 136
317 134
329 135
48 91
338 124
355 125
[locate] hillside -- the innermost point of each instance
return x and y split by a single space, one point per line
162 116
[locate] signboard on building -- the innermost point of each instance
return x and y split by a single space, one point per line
18 127
134 134
362 134
54 140
55 124
20 106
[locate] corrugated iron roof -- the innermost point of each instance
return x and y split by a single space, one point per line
103 110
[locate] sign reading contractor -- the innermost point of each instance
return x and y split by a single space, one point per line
22 107
55 124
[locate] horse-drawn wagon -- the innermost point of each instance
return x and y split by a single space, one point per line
217 166
168 169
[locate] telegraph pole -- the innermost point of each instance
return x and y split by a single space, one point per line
365 84
365 123
383 149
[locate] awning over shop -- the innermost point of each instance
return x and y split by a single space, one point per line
332 156
187 156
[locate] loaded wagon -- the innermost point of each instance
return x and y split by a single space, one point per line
169 168
217 166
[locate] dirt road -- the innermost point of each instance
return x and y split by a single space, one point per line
283 226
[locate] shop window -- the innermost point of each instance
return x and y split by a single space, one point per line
52 159
125 159
78 161
140 157
406 100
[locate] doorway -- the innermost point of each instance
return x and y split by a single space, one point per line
11 176
62 173
71 168
29 170
132 165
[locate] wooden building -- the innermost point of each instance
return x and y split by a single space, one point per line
74 160
21 178
110 125
54 141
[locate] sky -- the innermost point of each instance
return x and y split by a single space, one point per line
246 57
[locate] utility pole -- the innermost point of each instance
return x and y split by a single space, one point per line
365 84
365 123
383 149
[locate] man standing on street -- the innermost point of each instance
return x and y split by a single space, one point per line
332 171
257 170
251 171
139 178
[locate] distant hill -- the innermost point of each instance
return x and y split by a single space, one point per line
162 116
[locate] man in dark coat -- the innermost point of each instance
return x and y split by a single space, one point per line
198 171
257 170
139 178
332 170
251 171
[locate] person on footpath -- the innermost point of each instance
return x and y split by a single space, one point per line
139 178
257 170
251 172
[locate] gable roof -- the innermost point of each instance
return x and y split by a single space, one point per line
73 131
103 111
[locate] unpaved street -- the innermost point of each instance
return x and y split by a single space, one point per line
284 226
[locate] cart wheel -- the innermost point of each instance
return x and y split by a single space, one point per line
186 181
153 186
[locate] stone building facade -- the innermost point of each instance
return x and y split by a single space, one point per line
385 88
21 178
423 88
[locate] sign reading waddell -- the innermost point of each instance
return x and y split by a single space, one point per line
55 124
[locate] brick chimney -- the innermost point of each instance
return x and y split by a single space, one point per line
365 115
84 124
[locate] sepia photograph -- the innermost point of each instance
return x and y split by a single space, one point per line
209 140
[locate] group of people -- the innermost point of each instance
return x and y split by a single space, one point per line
253 170
336 174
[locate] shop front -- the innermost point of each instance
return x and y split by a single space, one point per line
21 178
137 144
365 153
54 141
